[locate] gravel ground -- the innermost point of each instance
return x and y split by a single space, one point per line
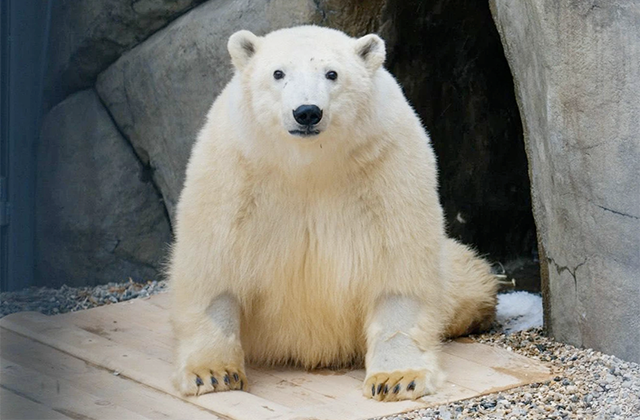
69 299
587 385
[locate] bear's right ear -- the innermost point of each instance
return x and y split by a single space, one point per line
370 48
242 46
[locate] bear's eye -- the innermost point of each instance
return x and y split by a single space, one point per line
331 75
278 74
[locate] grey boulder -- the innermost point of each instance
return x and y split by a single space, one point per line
99 218
576 67
87 35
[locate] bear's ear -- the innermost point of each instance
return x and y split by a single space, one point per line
242 46
370 48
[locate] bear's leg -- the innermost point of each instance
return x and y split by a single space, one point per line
403 340
209 356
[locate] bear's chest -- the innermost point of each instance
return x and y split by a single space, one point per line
310 242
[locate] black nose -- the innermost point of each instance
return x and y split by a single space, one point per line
307 114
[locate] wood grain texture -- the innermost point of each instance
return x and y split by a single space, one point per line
120 356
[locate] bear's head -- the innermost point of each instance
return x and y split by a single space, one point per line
306 82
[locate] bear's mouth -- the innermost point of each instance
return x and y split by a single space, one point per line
307 132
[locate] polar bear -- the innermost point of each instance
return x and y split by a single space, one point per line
309 231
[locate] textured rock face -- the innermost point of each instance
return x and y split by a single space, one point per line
160 92
576 67
358 17
88 35
99 218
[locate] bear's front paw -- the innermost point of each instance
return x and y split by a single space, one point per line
204 379
401 384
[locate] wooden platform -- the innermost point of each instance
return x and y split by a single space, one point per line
114 362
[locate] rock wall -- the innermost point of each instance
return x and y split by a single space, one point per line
576 67
99 217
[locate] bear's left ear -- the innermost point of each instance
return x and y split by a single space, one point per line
242 46
370 48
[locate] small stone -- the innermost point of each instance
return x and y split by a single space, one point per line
445 415
488 404
615 410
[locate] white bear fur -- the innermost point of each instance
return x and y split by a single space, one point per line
317 251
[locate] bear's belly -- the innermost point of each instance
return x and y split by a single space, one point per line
303 332
309 289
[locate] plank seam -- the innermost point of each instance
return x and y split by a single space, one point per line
109 371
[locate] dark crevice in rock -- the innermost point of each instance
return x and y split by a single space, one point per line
618 212
561 268
115 246
450 61
321 10
147 168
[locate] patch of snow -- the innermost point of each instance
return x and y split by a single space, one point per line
518 311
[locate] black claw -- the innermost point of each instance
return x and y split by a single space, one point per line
396 389
411 386
226 380
373 389
386 389
199 381
236 377
214 381
379 388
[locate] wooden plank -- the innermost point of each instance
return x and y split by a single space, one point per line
16 407
311 395
128 333
525 369
265 385
119 325
114 324
60 395
161 300
289 393
481 360
105 386
135 365
321 396
135 339
474 376
343 393
127 324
